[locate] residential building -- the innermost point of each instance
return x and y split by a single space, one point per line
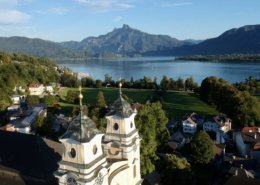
219 124
18 99
49 89
248 142
189 124
36 89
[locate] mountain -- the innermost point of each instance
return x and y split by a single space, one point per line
243 40
129 41
126 40
36 47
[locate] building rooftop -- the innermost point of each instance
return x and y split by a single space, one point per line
240 176
81 129
120 108
29 155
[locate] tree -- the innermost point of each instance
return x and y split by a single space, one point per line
151 123
201 148
49 100
176 171
72 96
32 99
101 102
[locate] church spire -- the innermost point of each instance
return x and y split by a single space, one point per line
120 88
82 128
80 97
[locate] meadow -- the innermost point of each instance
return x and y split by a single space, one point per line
176 104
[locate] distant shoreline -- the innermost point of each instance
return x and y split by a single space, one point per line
228 58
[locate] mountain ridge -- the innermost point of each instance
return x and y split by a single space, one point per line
127 41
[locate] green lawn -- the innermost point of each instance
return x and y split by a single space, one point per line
176 104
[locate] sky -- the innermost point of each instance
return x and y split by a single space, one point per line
65 20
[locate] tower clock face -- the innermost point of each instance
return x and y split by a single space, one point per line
71 181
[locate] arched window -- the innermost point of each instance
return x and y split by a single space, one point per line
116 126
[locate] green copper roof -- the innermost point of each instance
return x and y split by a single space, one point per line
120 108
81 129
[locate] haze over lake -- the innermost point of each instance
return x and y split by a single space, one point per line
159 66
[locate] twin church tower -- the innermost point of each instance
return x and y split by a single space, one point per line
91 157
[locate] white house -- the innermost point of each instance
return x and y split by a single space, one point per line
91 157
219 124
49 89
36 89
19 88
189 125
18 99
23 125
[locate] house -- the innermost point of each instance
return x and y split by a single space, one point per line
49 89
22 121
248 142
219 124
36 89
18 99
189 124
177 140
19 88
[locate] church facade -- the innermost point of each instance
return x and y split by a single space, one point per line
91 157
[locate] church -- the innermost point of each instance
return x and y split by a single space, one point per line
91 157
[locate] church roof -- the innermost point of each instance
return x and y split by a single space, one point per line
121 108
81 129
29 156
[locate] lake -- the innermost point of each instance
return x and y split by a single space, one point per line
159 66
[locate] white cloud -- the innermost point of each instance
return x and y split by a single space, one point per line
13 17
168 5
106 5
118 19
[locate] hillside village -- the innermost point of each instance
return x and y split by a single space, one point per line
48 139
236 151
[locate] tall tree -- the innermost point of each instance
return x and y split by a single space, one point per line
101 102
176 171
201 148
151 123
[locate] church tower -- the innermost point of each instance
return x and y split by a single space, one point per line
83 161
122 141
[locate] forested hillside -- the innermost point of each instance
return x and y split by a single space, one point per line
21 69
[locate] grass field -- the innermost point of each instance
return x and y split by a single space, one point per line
176 104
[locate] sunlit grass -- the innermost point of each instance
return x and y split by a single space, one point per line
176 104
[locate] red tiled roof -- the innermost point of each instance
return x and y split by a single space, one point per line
251 129
34 85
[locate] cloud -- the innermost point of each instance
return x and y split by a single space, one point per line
106 5
168 5
118 19
13 17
